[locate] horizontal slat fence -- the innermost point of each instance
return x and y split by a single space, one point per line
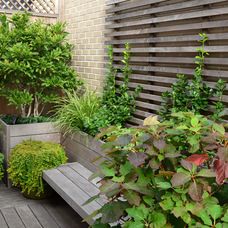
163 35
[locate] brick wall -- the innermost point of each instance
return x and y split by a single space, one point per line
85 23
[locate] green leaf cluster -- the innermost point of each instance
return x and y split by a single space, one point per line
118 102
194 95
169 174
75 110
1 166
29 159
34 63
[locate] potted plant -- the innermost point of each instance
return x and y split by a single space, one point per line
27 162
34 73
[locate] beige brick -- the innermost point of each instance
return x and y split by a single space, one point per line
86 25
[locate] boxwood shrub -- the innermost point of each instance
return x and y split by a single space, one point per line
27 162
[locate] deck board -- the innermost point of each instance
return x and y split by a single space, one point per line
27 217
12 218
19 212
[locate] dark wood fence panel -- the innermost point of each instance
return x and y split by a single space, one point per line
163 35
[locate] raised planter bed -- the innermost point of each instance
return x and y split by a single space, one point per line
11 135
83 148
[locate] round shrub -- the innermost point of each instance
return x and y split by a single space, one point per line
27 162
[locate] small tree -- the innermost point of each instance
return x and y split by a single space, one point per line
34 63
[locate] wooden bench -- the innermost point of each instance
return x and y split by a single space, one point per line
71 182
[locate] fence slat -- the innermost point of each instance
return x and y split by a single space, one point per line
163 36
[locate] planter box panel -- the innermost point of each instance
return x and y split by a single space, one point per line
84 149
32 129
88 141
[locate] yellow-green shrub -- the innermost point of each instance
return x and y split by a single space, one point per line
29 159
1 166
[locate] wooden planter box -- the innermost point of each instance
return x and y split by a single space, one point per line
11 135
84 149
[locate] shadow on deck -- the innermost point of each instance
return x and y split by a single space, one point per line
18 212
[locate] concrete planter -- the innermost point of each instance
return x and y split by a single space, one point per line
84 149
11 135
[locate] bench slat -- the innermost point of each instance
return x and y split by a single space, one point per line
70 192
81 182
86 173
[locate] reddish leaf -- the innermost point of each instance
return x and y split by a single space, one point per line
195 191
211 147
221 170
209 139
223 154
137 159
221 165
159 144
179 179
186 164
198 159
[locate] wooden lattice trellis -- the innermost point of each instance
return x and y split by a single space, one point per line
33 6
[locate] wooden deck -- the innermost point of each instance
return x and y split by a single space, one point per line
18 212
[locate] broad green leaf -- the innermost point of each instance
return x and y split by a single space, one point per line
126 168
186 217
151 121
134 224
148 200
205 217
138 213
100 225
215 211
219 128
111 212
157 220
118 179
141 189
179 179
206 173
178 211
108 172
164 185
219 225
194 121
225 217
167 204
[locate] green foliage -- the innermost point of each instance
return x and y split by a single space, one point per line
168 174
118 102
12 120
194 96
1 166
34 63
28 160
75 110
